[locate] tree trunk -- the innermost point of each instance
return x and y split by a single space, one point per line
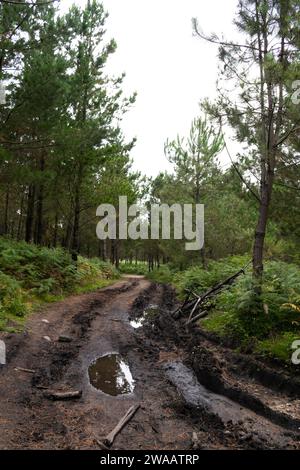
40 204
260 232
75 238
117 257
30 213
20 221
6 212
104 255
55 230
67 237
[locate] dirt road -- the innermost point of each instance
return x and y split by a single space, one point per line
177 412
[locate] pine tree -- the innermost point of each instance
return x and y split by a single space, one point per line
261 112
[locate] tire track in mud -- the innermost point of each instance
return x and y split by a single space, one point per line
232 398
97 323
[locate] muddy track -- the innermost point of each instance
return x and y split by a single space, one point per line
180 381
270 393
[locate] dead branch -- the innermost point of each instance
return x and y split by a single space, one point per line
198 306
100 443
22 369
109 439
202 314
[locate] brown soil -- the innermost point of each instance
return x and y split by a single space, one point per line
98 323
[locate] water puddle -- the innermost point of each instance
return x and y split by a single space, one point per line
138 322
111 374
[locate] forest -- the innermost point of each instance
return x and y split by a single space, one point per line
63 152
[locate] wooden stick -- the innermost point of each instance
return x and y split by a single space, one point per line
194 308
52 395
179 309
100 443
197 317
109 439
21 369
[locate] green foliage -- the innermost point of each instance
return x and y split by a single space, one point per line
139 268
12 296
29 274
278 346
199 280
164 275
267 323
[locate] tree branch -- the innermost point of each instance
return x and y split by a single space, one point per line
286 136
221 43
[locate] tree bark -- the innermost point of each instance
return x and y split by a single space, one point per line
76 223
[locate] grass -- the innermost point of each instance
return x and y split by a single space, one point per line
278 347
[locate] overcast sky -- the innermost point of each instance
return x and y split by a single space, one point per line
170 69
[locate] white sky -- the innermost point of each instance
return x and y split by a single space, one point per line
169 68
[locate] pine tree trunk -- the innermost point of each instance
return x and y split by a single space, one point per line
76 224
6 212
55 230
104 256
117 258
260 232
20 221
30 214
40 203
75 238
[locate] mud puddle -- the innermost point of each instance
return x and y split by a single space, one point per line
148 312
111 375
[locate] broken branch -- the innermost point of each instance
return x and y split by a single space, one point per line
109 439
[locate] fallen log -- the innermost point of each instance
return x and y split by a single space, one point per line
109 439
70 395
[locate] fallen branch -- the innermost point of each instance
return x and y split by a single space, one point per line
100 443
194 308
21 369
52 395
109 439
198 306
197 317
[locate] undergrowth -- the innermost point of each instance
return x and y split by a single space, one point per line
266 325
30 275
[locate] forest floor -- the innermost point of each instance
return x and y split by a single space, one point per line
193 392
